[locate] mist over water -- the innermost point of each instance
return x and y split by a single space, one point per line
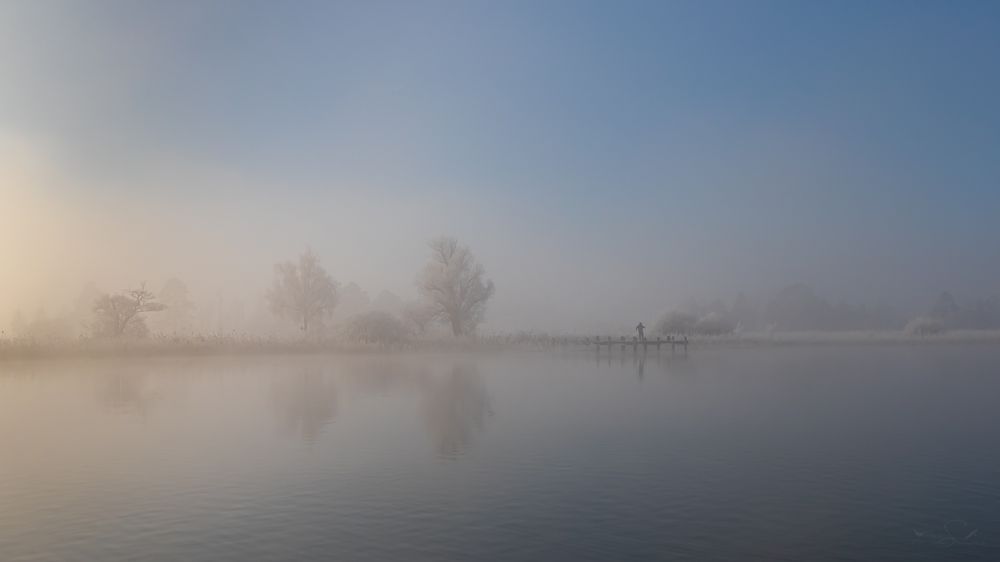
780 454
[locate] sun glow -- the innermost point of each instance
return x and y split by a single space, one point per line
36 231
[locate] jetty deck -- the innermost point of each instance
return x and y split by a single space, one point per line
635 343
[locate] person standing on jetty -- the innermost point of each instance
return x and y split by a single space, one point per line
642 331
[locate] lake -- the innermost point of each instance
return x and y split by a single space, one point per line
722 453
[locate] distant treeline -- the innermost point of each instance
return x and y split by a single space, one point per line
798 308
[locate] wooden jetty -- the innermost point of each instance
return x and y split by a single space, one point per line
635 343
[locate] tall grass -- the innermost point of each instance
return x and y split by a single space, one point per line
244 344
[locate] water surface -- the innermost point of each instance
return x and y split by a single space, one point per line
798 453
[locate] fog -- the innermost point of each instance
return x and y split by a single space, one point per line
499 280
207 143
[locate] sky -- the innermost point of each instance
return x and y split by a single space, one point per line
606 161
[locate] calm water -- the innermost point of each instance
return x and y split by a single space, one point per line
827 453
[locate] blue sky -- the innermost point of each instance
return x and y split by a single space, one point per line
664 150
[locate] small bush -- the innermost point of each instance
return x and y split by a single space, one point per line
714 324
924 326
377 327
676 323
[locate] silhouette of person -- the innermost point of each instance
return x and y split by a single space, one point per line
642 331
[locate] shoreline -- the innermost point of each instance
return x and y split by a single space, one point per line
874 337
20 350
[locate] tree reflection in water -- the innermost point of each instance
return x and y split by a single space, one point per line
125 390
455 407
305 402
126 394
454 404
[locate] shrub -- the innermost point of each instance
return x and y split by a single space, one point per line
676 323
714 324
377 327
924 326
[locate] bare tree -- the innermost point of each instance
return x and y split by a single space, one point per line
454 286
121 314
303 292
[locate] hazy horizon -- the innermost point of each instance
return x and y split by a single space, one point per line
605 163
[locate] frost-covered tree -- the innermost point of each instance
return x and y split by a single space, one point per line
303 292
122 314
454 285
